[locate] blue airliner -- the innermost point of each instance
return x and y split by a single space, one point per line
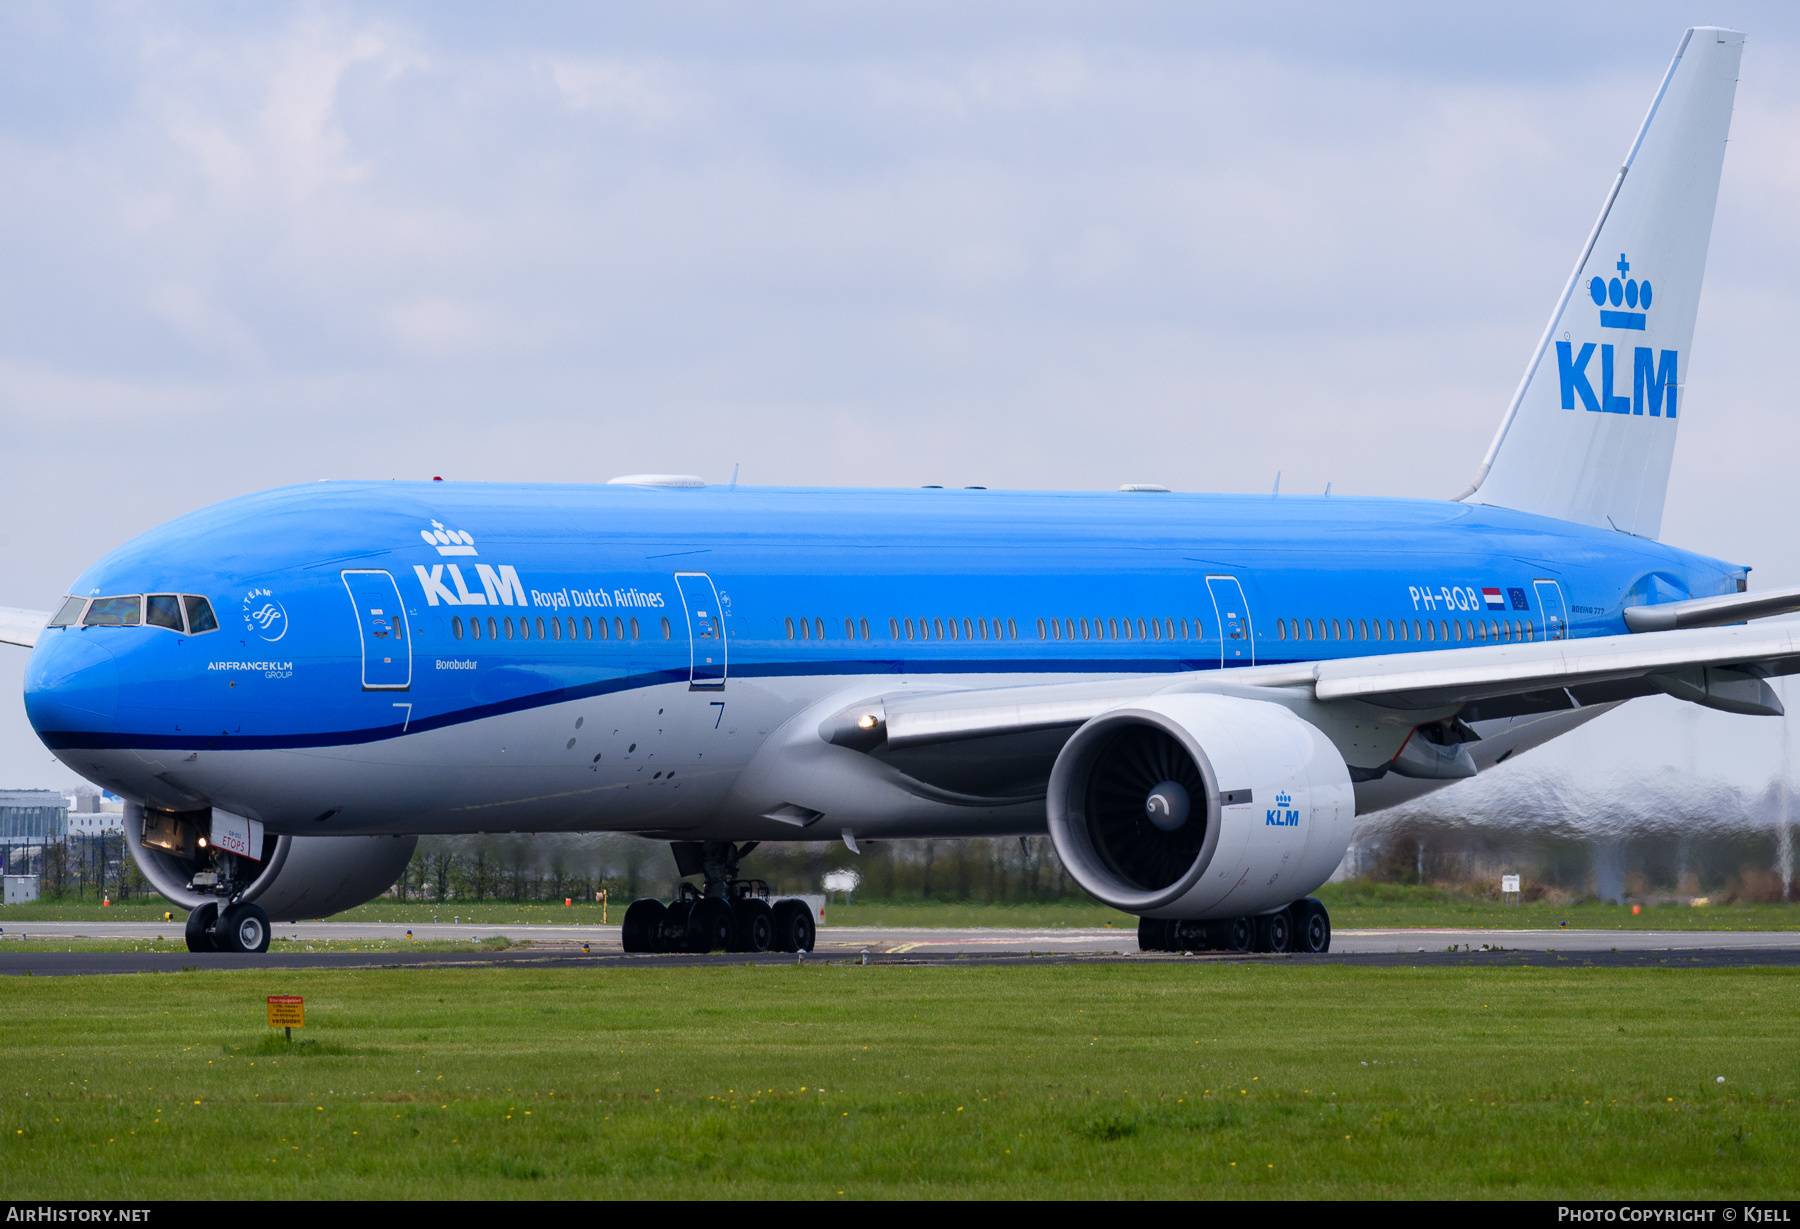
1194 695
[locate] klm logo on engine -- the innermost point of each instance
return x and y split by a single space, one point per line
1282 814
1624 303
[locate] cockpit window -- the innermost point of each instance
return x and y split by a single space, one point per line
163 610
114 612
70 614
200 615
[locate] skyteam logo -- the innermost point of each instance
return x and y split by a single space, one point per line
264 617
1283 814
448 541
1624 303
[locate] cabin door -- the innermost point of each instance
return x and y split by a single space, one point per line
386 639
1550 606
1232 614
706 631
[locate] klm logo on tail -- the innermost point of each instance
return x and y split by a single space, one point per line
1654 378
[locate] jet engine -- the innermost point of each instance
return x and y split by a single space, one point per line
188 857
1200 806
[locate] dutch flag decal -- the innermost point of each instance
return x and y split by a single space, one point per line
1494 600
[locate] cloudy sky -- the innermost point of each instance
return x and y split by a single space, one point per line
1016 245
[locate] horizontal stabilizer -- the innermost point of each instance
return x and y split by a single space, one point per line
1713 611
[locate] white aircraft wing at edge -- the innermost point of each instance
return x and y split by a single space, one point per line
21 627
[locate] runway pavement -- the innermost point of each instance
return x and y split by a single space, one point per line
563 945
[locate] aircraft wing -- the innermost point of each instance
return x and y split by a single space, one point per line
21 627
1719 667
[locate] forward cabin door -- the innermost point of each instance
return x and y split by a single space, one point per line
1232 614
386 638
706 631
1550 606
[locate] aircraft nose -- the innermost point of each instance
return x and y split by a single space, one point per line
71 683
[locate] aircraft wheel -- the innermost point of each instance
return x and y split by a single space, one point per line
1275 932
199 928
244 928
643 921
672 935
709 926
1234 934
754 925
1313 933
1153 934
794 928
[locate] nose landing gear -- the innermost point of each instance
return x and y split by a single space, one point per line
240 928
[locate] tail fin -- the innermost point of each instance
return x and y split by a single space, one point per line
1590 433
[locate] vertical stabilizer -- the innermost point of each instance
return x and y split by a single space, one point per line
1590 433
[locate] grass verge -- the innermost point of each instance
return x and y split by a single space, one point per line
831 1081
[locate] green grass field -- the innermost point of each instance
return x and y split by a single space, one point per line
1353 906
836 1081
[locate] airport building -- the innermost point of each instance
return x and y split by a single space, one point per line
29 820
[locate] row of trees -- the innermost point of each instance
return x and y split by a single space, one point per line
579 866
81 868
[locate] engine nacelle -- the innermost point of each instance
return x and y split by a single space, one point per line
1200 806
296 877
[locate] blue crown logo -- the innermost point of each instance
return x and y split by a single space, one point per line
1284 799
1622 291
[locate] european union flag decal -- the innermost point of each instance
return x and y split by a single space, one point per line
1518 599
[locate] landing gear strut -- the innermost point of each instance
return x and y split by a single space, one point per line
726 914
1303 926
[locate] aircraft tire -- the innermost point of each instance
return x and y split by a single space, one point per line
1313 931
672 935
199 928
1275 932
244 928
794 929
709 926
642 925
1153 934
753 925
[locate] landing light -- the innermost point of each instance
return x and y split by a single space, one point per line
203 842
866 721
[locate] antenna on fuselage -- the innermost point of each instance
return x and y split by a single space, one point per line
1276 489
1328 490
734 472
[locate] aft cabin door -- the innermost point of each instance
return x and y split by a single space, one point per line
1232 614
1551 608
386 638
706 631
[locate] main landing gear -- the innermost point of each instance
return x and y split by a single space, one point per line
728 914
240 928
1303 926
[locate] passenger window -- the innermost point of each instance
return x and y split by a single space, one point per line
1337 629
864 625
1390 626
937 628
456 626
1528 632
953 628
981 628
1056 629
1362 625
1155 630
1140 629
114 612
1281 629
474 627
493 628
587 628
1012 629
1377 629
790 629
818 629
635 633
1417 634
893 629
525 628
909 629
805 630
1068 629
849 628
1184 629
669 635
555 628
1041 631
163 610
969 631
618 628
1309 629
508 625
